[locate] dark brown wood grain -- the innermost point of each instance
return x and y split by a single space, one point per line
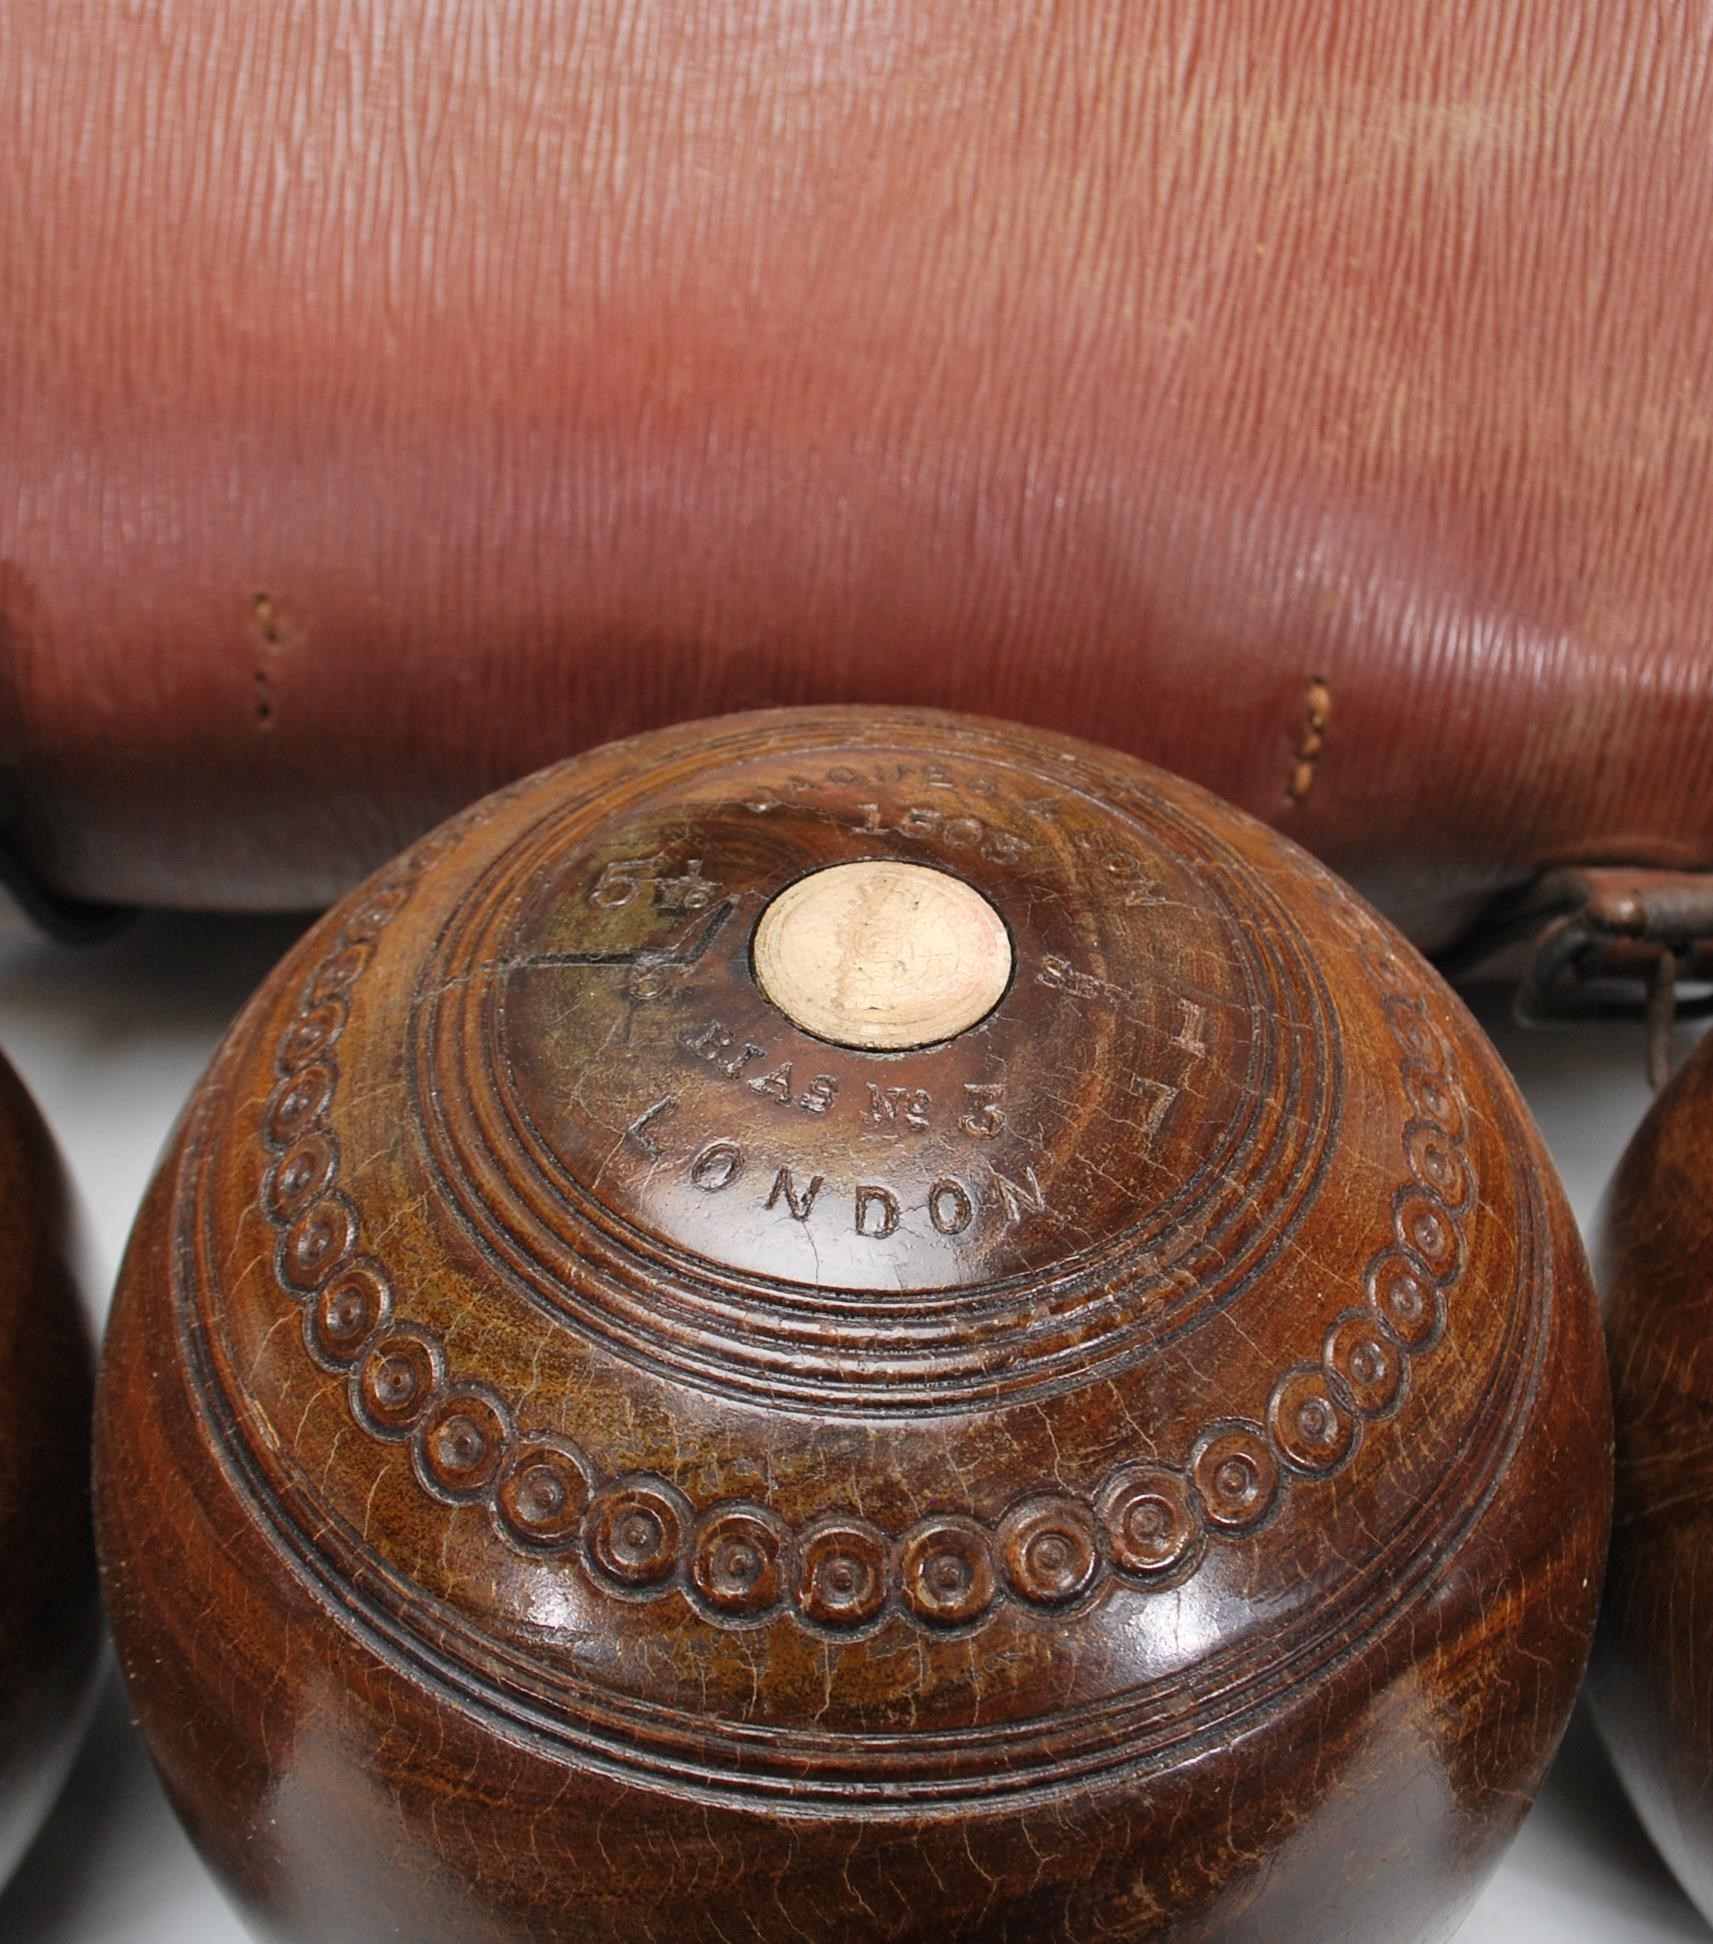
580 1457
49 1626
1653 1677
1308 397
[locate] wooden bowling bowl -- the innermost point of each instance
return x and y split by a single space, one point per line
853 1324
1651 1689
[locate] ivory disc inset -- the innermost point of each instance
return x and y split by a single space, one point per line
882 955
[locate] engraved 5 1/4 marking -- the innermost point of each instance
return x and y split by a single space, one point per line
621 879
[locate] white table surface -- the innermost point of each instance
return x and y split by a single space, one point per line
111 1040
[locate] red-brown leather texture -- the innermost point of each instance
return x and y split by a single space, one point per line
1317 399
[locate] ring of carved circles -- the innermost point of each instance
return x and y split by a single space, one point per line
1124 1142
637 1537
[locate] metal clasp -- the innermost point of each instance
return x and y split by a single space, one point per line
1616 942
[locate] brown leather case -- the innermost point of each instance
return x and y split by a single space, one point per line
1314 400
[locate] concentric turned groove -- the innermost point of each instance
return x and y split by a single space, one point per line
616 1529
1060 1302
746 1559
